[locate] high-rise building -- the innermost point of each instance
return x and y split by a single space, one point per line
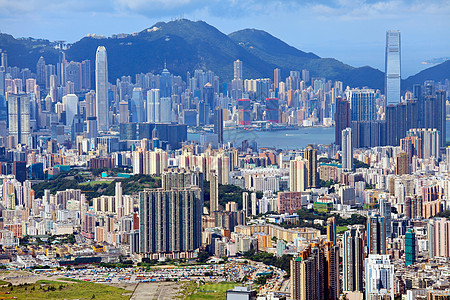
362 104
218 124
315 272
101 88
276 77
353 260
347 150
342 119
70 103
438 231
307 275
165 110
332 282
153 106
244 106
402 164
272 110
170 220
392 67
213 192
40 71
245 206
137 106
238 69
124 113
254 201
376 234
410 247
313 176
379 277
19 118
430 141
298 174
385 212
73 74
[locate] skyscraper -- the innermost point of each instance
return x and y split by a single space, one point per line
238 69
379 277
342 119
376 234
362 104
297 175
101 88
153 106
19 118
276 78
313 176
353 260
218 124
392 67
170 220
347 150
385 212
410 247
40 71
213 192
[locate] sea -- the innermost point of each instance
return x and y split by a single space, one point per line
283 139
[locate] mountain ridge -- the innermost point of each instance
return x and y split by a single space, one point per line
187 45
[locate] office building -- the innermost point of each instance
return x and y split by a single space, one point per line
170 220
218 124
272 110
153 106
70 103
342 119
101 89
392 67
137 106
353 260
244 106
165 110
40 72
347 150
379 277
19 118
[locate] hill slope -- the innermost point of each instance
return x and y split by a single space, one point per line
186 45
286 57
437 73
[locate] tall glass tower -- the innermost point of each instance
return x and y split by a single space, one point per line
392 71
101 88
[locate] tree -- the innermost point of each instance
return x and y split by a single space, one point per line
202 256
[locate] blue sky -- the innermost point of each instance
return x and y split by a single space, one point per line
352 31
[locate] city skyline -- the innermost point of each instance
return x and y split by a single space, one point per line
320 32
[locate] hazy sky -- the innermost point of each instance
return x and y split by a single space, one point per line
352 31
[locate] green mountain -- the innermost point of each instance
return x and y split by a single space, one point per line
286 57
186 45
437 73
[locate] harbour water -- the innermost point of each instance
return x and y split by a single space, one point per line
283 139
